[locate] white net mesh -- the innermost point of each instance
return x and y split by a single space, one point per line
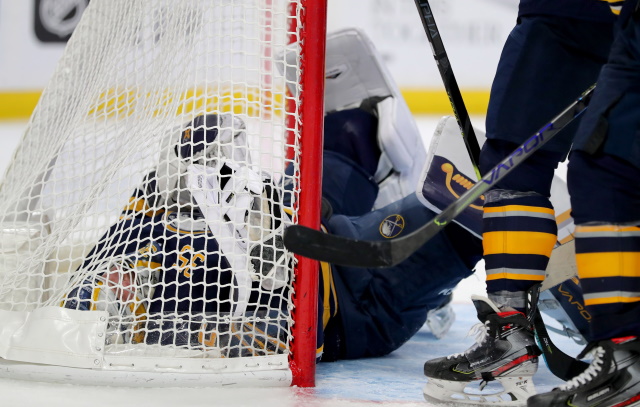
152 186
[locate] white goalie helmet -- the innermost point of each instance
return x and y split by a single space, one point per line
203 141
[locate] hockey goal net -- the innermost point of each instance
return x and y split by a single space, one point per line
142 214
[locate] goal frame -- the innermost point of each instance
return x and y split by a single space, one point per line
305 115
313 49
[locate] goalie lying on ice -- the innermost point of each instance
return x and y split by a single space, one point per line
169 271
164 270
159 270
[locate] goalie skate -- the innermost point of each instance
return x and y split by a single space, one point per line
505 352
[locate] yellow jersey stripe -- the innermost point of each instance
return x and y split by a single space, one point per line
615 5
326 283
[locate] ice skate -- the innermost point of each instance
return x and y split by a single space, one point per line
612 378
505 352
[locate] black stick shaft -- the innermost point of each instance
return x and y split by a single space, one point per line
450 83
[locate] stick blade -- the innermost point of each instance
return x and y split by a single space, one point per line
335 249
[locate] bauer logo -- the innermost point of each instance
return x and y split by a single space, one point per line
55 20
336 71
392 226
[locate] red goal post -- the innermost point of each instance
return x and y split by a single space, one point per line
102 230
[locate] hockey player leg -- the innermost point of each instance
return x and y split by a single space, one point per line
606 241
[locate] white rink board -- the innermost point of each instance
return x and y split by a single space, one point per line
473 32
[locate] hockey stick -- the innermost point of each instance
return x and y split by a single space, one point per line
386 253
559 363
450 83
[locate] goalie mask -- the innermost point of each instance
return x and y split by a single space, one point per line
212 136
203 141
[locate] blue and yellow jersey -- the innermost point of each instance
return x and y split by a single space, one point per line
591 10
615 5
327 304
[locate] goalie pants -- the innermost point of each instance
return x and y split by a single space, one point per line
380 309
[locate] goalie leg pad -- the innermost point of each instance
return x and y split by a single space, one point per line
256 334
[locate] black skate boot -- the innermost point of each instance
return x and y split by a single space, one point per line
505 351
612 378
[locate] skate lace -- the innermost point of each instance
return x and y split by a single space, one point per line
481 332
590 372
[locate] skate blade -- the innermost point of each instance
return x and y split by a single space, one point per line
514 392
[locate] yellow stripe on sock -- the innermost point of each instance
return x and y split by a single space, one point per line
519 208
514 276
610 300
608 264
606 228
518 243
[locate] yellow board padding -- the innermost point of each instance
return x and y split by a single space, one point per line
436 101
608 264
246 100
20 104
518 243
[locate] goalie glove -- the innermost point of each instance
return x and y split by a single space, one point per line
242 209
122 287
